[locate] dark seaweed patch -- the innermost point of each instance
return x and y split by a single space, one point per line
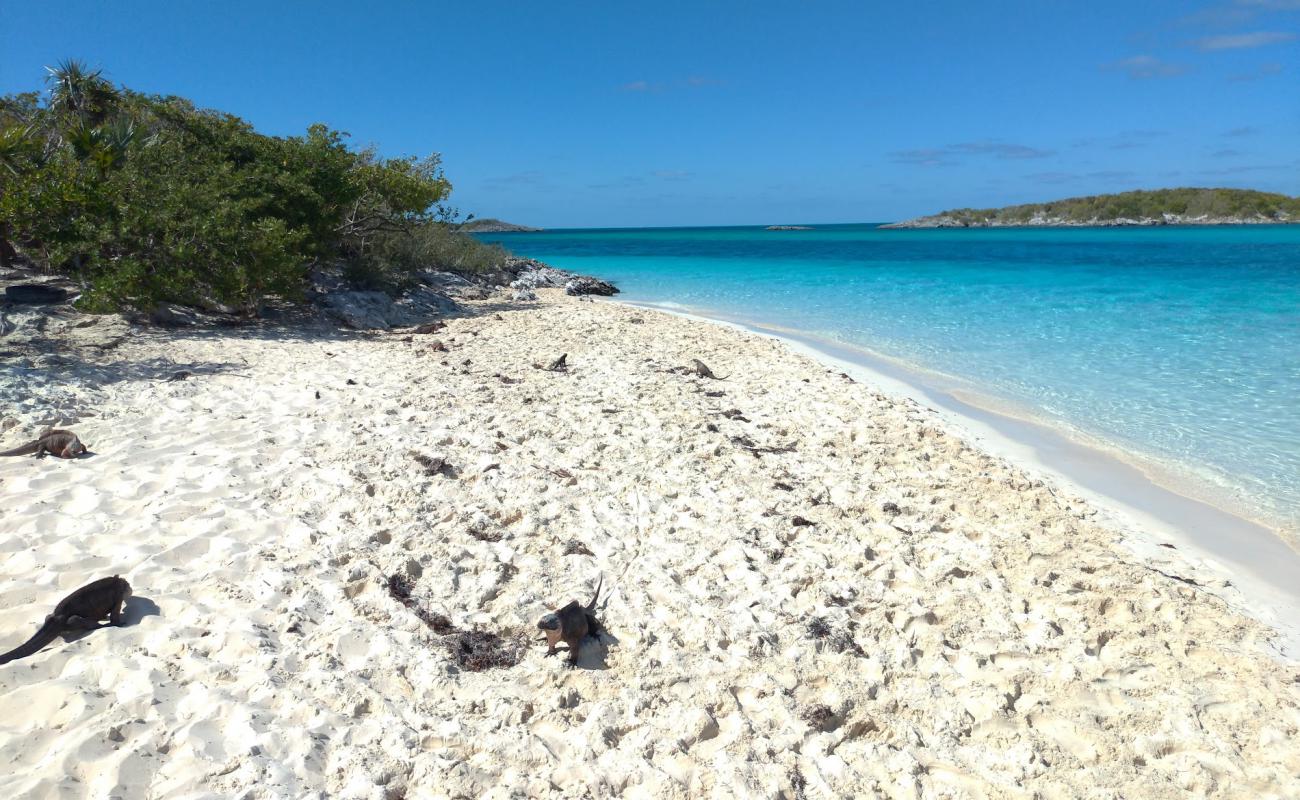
473 650
576 548
479 650
399 586
434 465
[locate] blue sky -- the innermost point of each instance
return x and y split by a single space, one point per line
571 114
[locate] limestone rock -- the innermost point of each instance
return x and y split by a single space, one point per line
171 315
453 286
423 301
542 277
582 284
36 293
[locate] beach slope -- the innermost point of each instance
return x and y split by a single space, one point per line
340 545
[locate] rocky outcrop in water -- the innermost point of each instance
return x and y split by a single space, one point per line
582 284
532 274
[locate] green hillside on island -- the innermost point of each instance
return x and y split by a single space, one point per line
1187 206
493 225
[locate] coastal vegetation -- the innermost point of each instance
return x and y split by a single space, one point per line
1188 206
147 198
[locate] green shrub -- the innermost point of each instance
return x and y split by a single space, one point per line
145 198
394 256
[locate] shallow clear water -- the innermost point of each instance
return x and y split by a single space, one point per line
1181 344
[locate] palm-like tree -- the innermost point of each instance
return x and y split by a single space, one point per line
104 145
15 143
77 90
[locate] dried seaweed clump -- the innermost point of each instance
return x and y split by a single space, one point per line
434 465
574 547
830 639
478 650
485 534
473 651
819 716
399 586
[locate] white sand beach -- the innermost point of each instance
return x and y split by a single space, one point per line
812 588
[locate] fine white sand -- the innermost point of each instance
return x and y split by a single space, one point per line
814 589
1252 565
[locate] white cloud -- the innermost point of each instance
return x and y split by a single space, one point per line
1272 5
1242 41
949 154
1264 71
529 178
1144 67
693 82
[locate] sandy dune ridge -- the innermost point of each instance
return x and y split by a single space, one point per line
813 589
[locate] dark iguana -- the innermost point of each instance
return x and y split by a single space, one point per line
571 624
63 444
700 369
558 365
79 611
697 368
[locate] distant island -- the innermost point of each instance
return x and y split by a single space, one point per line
490 225
1157 207
788 228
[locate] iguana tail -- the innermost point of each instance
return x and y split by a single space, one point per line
25 450
48 633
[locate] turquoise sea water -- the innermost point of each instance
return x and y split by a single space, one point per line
1178 344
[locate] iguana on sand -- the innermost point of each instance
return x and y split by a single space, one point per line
79 611
63 444
570 625
700 369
